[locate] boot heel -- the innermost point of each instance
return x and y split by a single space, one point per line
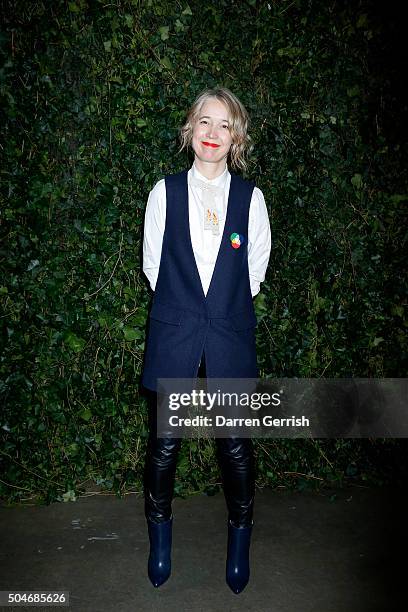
237 570
159 564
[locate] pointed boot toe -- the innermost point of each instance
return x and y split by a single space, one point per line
237 570
159 565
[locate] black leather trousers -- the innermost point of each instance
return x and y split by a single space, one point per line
236 460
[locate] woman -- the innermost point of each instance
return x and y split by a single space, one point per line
205 252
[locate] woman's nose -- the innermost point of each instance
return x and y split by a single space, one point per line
211 131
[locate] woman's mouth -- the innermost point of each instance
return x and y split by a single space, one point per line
210 144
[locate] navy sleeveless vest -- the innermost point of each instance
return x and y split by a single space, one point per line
184 322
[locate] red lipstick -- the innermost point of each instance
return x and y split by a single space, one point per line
210 144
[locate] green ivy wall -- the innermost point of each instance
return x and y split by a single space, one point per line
93 94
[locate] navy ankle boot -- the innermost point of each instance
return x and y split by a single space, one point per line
159 566
239 539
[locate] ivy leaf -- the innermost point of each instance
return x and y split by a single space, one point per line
167 63
362 20
131 333
129 21
74 342
69 496
74 8
164 32
86 415
352 92
397 309
357 181
33 264
260 305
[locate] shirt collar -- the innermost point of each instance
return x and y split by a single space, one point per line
218 181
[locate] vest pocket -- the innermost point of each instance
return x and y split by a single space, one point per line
243 320
166 314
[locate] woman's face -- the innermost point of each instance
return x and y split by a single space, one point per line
212 140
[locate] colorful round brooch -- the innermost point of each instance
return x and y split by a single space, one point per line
236 240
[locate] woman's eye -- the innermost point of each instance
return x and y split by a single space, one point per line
203 121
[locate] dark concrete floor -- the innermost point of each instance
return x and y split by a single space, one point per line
309 553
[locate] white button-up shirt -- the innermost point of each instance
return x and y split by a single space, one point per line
205 244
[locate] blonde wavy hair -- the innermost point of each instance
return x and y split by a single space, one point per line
239 119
